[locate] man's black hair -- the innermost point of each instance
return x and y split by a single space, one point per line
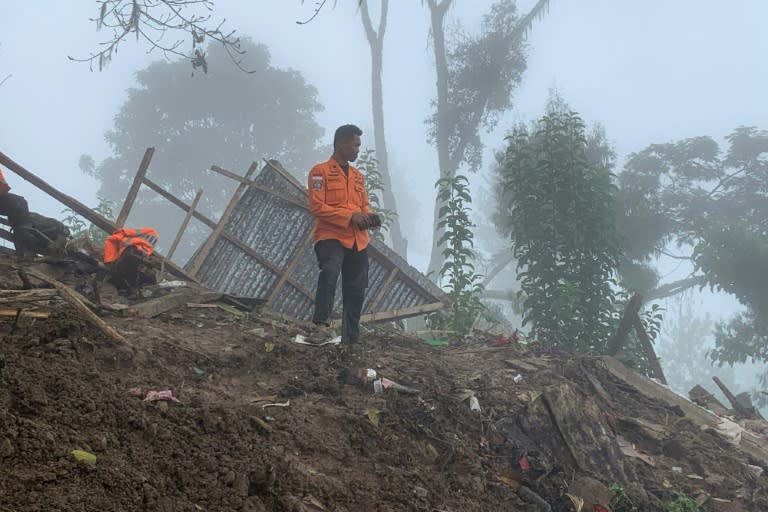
346 132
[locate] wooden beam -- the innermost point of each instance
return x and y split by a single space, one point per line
384 288
250 183
647 345
620 338
68 201
134 190
748 412
176 299
178 202
78 301
211 240
23 313
285 275
399 313
184 223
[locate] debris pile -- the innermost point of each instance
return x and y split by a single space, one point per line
212 405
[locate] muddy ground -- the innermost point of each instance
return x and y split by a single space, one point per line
335 445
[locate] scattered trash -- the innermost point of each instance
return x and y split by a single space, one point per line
629 450
420 492
172 284
523 462
302 340
84 456
730 430
137 392
277 404
231 309
269 347
474 404
269 418
312 501
154 396
517 379
578 502
756 469
437 343
384 383
528 494
198 371
677 469
695 477
259 331
373 415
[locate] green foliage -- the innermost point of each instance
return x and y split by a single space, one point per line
681 503
463 284
557 206
78 227
374 184
734 259
621 502
225 117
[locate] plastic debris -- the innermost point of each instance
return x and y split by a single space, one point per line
756 469
84 456
137 392
474 404
166 395
517 379
386 384
373 415
731 430
277 404
677 469
523 462
377 387
172 284
302 340
198 371
269 347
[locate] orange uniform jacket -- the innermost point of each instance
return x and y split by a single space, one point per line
333 198
143 239
4 187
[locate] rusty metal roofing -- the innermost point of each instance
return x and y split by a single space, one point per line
272 219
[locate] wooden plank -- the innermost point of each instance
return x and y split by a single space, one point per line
134 190
399 313
647 346
23 313
68 201
384 289
704 398
747 412
208 245
183 226
176 299
620 338
285 275
250 183
656 391
78 301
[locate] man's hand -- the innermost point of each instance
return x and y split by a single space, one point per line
360 220
374 221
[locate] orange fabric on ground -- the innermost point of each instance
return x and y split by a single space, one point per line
143 239
333 198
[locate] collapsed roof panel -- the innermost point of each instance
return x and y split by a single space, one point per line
276 260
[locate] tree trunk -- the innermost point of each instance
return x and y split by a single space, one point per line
376 44
437 16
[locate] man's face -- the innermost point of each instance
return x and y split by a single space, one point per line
349 148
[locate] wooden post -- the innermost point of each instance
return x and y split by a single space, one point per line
289 267
618 340
748 412
384 287
134 190
208 245
184 224
647 345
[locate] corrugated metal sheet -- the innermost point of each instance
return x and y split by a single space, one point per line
272 219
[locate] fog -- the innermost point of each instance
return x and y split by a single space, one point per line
648 72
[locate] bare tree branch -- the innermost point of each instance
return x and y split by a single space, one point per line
157 21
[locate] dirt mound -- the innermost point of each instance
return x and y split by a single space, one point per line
263 423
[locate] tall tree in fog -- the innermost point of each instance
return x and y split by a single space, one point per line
713 207
376 42
476 75
225 117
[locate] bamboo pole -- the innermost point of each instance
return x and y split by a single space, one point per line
134 190
181 231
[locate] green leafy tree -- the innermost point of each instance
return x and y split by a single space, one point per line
713 207
464 286
226 117
374 184
79 228
559 211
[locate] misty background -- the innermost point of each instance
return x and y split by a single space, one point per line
648 72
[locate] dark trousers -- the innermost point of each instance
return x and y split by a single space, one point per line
333 258
15 208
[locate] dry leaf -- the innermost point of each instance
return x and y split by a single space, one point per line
373 415
578 502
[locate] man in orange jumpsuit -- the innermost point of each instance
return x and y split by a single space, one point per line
339 202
